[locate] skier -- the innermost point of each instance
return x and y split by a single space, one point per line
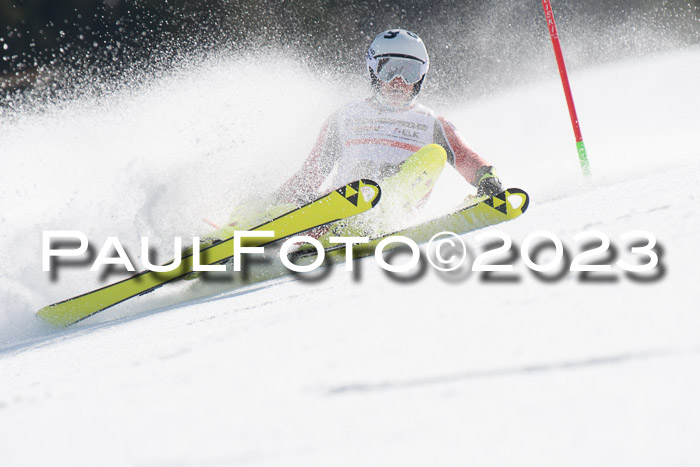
371 138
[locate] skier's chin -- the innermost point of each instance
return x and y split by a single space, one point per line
396 100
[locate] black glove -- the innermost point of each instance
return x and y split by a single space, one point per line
488 182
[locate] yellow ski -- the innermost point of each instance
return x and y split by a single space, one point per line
349 200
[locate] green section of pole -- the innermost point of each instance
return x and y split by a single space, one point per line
583 158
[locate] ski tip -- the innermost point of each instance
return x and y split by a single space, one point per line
371 191
429 152
524 201
363 194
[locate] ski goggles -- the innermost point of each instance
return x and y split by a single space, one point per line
410 69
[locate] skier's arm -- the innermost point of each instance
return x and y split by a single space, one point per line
306 181
468 163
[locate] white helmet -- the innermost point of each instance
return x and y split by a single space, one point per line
398 52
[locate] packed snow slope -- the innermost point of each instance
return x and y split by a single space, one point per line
358 368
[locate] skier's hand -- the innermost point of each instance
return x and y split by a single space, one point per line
488 182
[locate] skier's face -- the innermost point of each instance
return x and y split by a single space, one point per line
396 91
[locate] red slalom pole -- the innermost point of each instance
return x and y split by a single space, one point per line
582 156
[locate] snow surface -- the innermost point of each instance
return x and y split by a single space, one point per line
364 368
